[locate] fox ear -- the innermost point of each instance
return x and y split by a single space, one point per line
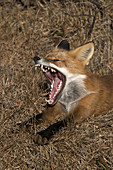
64 44
84 53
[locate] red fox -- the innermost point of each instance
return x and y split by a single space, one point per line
73 90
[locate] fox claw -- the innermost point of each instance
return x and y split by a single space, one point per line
39 140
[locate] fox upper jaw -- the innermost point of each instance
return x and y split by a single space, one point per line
45 66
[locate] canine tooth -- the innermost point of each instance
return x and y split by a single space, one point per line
60 85
47 100
51 88
51 70
35 68
42 67
44 70
52 84
45 67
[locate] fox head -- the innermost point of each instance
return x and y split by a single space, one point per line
63 66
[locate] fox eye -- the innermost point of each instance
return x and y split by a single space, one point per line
56 60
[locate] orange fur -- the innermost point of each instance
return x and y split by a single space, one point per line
98 90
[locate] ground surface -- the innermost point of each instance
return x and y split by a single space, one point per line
29 28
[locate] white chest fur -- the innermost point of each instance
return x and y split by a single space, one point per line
74 91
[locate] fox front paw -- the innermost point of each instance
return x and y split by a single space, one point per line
39 140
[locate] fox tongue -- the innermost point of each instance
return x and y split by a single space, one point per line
54 89
56 79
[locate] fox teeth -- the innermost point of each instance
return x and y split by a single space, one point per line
42 67
59 86
45 69
58 89
35 68
52 70
52 85
47 100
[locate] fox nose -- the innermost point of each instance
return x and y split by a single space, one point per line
36 58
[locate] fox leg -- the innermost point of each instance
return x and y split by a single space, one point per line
44 136
47 118
78 115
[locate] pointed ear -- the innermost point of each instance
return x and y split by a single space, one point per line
64 44
84 53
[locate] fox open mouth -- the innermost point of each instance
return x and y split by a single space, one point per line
57 82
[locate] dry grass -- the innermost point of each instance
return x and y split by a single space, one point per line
25 32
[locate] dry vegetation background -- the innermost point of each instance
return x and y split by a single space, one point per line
29 28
